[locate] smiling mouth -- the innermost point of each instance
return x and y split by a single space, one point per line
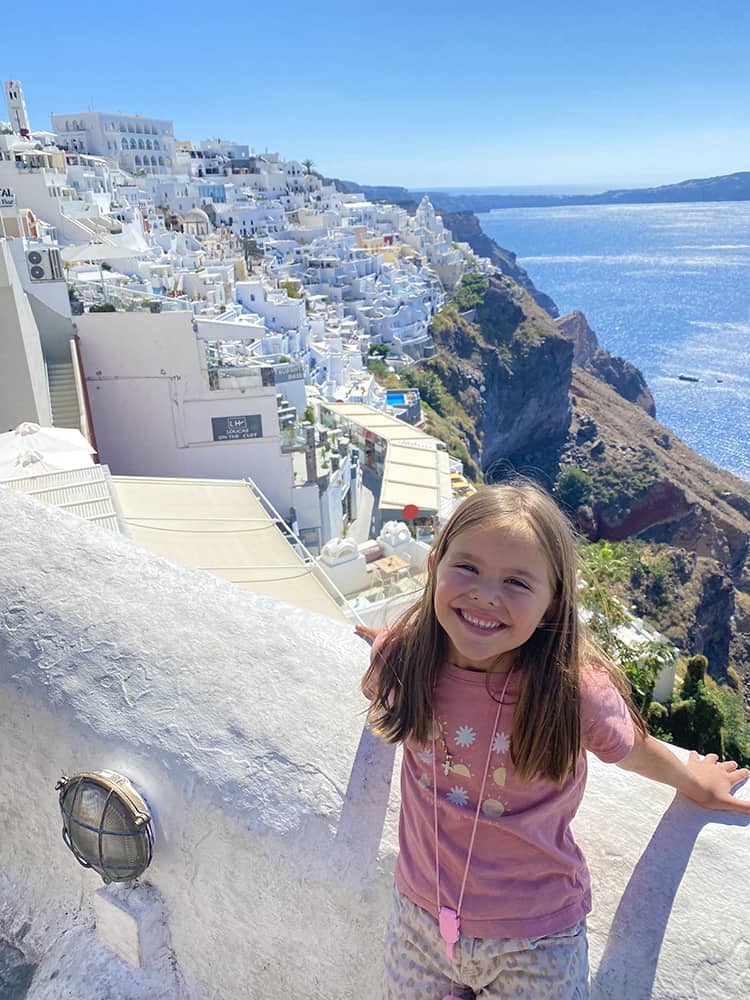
481 626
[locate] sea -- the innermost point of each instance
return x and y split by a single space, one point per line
665 286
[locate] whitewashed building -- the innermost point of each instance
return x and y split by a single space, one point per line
136 143
165 402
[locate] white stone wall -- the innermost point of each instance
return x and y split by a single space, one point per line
240 721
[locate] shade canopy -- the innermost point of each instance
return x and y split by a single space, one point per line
97 252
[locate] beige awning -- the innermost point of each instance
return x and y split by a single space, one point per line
220 526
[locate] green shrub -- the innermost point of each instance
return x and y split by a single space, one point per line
291 289
573 487
378 367
431 389
695 675
469 293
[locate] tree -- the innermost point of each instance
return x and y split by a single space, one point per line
308 165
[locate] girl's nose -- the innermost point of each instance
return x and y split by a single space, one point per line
486 594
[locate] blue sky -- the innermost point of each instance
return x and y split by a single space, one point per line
420 94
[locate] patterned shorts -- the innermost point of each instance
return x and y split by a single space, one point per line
416 967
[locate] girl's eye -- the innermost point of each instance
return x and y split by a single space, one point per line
514 582
468 567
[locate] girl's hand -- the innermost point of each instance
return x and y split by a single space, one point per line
712 783
705 780
368 634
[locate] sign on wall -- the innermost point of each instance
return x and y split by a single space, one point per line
236 428
7 197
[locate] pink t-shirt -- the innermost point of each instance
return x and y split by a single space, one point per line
527 876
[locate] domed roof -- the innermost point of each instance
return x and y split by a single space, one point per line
196 215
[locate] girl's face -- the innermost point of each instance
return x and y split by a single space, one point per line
492 589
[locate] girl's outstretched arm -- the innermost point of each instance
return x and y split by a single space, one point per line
706 780
366 633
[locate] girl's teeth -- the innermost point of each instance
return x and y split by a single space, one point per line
488 626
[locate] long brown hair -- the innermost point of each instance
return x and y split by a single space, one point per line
546 734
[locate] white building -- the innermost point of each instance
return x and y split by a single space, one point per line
18 115
80 206
137 144
165 402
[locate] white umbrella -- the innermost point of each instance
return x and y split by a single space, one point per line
31 450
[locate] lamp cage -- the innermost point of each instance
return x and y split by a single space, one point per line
106 824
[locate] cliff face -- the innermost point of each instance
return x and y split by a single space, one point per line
510 370
620 374
585 342
648 484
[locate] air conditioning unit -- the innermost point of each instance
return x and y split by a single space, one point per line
45 265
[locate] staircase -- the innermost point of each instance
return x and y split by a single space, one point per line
62 394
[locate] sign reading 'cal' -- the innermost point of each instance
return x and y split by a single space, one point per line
7 197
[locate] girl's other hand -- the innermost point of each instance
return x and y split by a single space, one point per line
713 781
366 633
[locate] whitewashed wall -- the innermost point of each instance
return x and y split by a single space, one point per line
239 720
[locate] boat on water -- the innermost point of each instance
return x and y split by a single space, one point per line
688 378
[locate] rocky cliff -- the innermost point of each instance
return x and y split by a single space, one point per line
648 484
509 369
466 229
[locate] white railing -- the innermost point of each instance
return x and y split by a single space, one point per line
303 552
126 299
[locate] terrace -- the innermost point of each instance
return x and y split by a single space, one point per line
239 720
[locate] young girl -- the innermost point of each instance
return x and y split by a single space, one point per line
495 694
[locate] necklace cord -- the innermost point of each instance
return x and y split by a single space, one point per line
479 804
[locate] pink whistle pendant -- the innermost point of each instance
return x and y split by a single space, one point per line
450 926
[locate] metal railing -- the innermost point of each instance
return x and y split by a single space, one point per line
303 552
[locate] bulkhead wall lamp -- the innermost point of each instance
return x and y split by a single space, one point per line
106 824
